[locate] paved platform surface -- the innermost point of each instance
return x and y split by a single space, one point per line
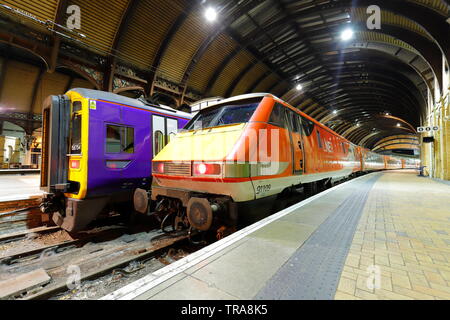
381 236
18 187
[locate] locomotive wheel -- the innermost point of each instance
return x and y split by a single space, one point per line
200 213
140 200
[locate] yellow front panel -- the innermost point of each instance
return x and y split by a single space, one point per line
80 175
202 145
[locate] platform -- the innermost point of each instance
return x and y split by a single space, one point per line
19 186
381 236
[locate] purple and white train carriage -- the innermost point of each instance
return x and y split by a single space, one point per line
97 149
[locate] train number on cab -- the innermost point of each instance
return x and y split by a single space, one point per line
263 188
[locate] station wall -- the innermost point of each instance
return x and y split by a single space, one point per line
436 155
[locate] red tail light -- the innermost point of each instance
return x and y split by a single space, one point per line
74 164
207 169
158 167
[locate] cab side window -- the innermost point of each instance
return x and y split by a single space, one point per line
293 120
277 116
307 126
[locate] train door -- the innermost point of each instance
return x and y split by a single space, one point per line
297 141
309 157
163 129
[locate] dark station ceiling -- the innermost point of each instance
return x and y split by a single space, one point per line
375 85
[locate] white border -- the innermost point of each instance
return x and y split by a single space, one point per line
150 281
19 197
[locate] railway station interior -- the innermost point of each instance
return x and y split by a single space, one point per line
225 150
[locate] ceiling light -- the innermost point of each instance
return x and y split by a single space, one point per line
334 111
347 34
211 14
399 125
299 87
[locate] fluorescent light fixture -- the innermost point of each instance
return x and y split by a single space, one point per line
347 34
211 14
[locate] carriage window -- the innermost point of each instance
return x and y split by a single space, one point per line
119 139
128 140
172 128
75 134
277 116
159 141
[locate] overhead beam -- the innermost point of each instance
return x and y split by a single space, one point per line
111 61
190 7
60 10
376 59
430 20
229 19
429 51
35 90
3 73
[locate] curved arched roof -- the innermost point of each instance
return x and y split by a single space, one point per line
265 46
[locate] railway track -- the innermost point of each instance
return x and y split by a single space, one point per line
94 254
19 204
98 257
16 236
21 215
136 261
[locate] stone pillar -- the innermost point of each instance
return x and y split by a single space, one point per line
446 137
2 151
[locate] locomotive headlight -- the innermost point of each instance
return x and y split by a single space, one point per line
202 168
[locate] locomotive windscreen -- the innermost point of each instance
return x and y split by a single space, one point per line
223 115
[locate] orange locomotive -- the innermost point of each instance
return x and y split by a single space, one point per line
247 148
